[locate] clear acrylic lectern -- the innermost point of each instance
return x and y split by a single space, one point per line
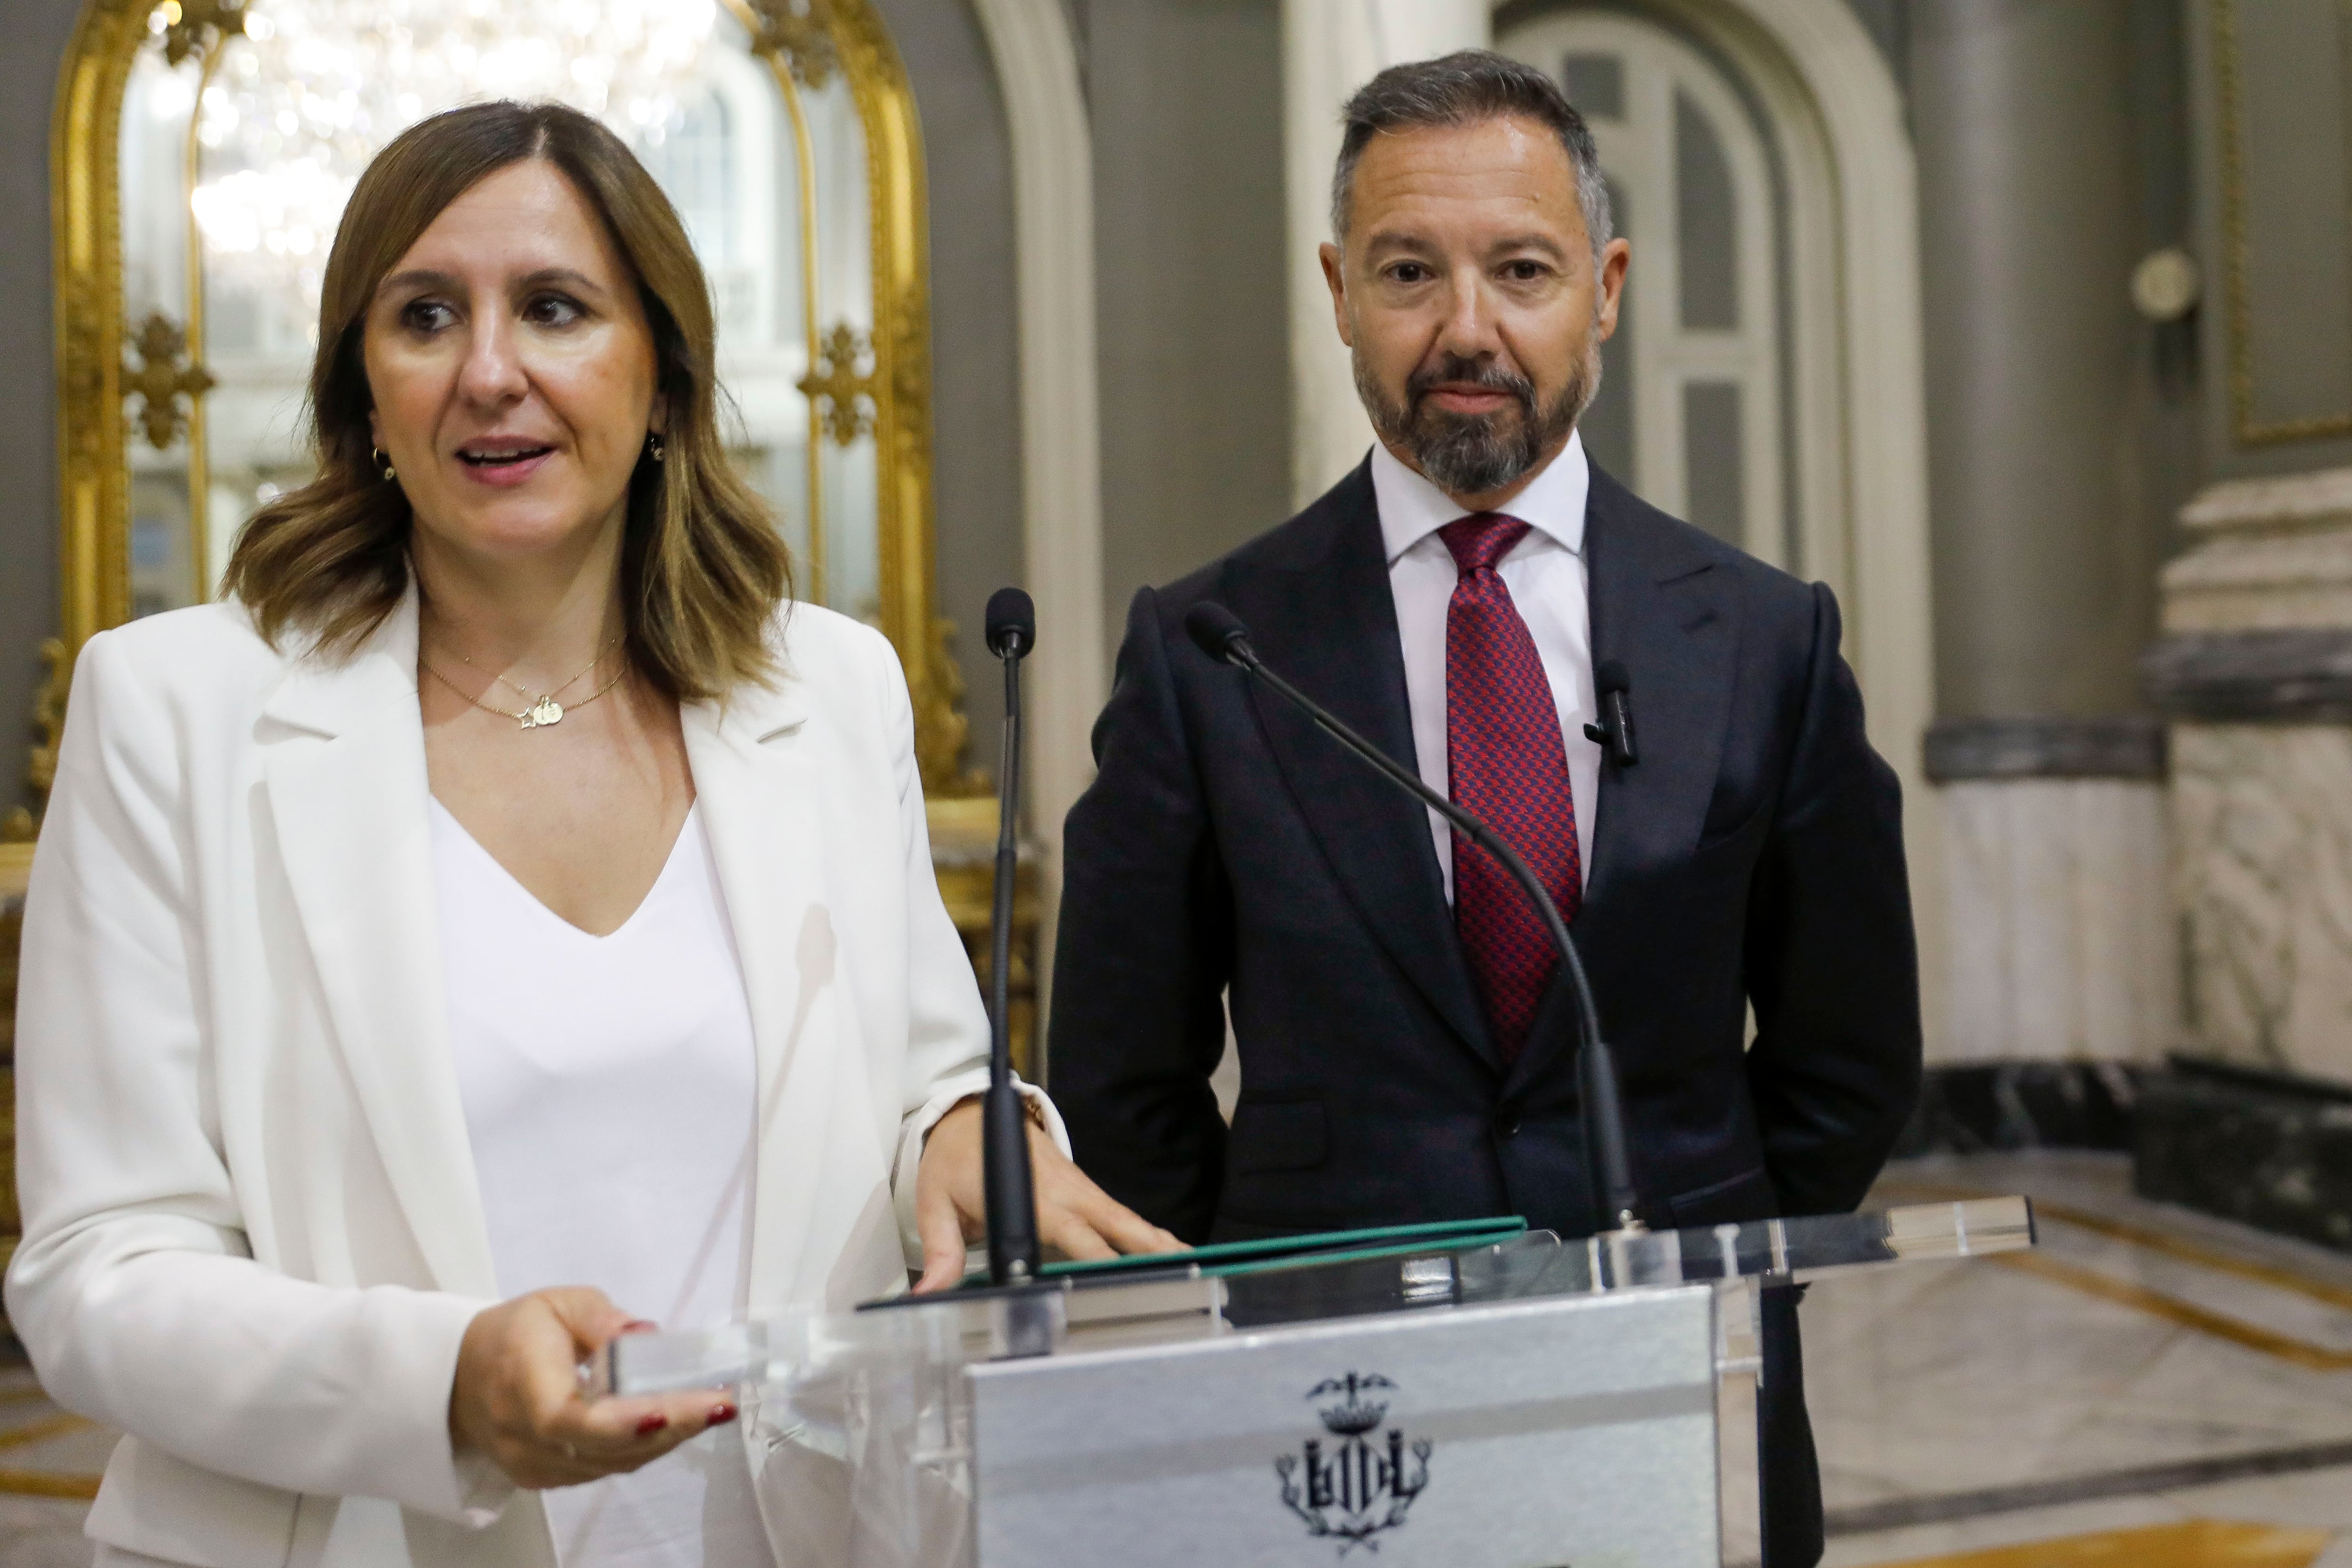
1513 1401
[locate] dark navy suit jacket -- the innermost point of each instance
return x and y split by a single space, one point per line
1229 854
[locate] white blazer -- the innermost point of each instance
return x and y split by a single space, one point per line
252 1235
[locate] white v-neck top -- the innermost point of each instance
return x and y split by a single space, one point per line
610 1088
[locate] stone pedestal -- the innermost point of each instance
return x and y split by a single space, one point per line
2255 671
2264 1149
2060 939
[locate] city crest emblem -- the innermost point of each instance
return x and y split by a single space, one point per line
1357 1482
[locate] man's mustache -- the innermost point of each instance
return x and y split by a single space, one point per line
1484 373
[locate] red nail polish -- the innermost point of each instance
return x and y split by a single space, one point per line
721 1415
639 1326
651 1425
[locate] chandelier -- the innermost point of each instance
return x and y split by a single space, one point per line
313 90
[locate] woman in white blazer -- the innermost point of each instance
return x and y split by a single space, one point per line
503 920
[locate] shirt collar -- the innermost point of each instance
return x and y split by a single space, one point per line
1412 508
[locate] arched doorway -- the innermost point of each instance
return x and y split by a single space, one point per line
1762 153
1690 411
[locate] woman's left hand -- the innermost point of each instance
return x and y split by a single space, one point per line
1075 1217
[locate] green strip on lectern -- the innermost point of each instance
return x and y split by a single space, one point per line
1331 1245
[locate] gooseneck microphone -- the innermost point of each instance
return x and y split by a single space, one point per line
1614 733
1008 1184
1220 634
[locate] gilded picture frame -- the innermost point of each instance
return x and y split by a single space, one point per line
2247 423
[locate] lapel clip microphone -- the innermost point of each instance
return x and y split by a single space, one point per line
1614 733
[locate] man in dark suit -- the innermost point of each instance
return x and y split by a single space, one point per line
1406 1048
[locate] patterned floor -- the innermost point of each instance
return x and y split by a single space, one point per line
2149 1387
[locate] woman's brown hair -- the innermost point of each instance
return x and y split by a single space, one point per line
702 567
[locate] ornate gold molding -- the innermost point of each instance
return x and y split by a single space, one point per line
49 719
93 481
2237 254
846 395
900 384
198 25
902 390
798 37
88 240
804 41
161 380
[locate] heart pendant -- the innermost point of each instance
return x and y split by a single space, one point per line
545 711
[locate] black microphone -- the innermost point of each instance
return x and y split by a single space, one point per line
1219 632
1616 731
1008 1184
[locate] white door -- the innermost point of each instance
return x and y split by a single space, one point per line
1690 410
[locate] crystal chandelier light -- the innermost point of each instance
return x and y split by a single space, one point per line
302 102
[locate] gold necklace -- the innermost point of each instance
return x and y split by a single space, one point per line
545 711
538 697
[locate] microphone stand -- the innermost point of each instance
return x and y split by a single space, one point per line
1008 1183
1223 637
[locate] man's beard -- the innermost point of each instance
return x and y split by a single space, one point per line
1478 454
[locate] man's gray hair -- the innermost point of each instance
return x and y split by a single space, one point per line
1467 88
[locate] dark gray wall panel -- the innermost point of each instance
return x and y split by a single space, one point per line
2305 36
1190 257
975 361
2298 242
37 31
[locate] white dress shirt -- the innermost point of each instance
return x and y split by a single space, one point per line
1544 571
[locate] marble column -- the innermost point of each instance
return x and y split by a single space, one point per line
1329 48
2062 945
2045 547
2030 228
2255 669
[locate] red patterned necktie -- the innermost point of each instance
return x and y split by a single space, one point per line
1508 768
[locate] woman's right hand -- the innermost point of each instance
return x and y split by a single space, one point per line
517 1396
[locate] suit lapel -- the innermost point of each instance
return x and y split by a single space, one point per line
348 800
1656 610
753 784
1329 625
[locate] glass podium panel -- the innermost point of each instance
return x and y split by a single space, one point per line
1590 1392
1183 1300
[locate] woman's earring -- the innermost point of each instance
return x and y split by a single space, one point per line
653 447
385 463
